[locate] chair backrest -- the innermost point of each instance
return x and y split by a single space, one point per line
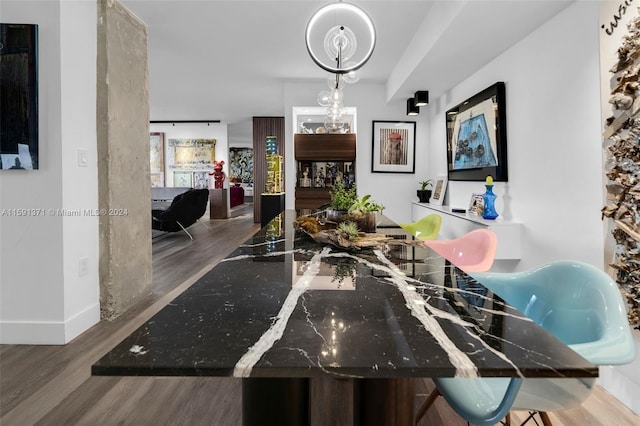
426 228
576 302
472 252
185 208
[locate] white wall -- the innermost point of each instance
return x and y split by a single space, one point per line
43 298
394 190
553 138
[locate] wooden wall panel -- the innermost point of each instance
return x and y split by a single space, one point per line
263 127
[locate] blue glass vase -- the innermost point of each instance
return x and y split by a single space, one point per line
489 211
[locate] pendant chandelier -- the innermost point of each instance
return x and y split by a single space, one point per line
332 43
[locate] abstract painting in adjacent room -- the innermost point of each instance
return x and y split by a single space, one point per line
191 154
156 152
241 165
18 96
200 180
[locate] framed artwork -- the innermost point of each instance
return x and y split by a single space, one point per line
182 179
157 180
200 180
477 137
439 188
394 147
241 165
156 153
19 97
476 205
191 154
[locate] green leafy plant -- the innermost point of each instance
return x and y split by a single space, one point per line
364 205
341 197
426 184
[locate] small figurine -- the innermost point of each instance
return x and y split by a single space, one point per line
218 174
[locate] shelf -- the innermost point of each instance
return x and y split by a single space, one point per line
455 225
339 149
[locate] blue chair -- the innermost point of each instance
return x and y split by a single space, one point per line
577 303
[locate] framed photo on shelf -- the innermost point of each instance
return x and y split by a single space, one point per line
439 188
476 205
477 137
394 147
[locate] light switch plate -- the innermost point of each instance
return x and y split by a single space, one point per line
83 158
83 266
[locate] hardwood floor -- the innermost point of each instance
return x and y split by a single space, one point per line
52 385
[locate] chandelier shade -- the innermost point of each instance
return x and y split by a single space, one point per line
340 38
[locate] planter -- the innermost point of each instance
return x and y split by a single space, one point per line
366 222
424 195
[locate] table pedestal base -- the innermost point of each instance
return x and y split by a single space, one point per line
327 401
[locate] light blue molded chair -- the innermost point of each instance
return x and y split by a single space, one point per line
577 303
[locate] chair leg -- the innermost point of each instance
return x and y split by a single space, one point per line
507 420
546 420
428 403
203 224
184 229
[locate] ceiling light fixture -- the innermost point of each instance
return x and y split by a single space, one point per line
412 109
331 41
421 98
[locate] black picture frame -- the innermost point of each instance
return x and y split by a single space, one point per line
477 137
19 96
393 154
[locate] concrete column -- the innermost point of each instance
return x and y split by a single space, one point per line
123 159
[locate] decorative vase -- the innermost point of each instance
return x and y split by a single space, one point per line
489 198
367 222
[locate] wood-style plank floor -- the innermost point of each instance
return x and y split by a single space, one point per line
52 385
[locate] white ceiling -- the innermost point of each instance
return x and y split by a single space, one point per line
228 59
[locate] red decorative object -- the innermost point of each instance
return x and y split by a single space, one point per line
218 174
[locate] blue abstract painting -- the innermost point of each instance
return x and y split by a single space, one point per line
473 147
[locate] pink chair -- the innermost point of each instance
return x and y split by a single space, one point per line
472 252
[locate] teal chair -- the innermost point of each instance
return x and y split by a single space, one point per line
577 303
426 228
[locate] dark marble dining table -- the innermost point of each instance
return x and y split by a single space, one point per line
319 333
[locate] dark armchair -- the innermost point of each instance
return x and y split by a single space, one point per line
184 211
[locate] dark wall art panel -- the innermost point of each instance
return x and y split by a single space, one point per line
18 96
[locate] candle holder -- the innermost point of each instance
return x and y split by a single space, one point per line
489 198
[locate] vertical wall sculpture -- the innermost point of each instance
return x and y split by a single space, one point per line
622 141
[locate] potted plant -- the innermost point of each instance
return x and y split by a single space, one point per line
341 200
424 193
346 206
363 212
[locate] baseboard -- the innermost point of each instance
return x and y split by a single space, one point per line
49 332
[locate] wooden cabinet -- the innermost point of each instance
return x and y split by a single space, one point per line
321 159
330 146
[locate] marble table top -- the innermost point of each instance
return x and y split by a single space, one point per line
282 305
